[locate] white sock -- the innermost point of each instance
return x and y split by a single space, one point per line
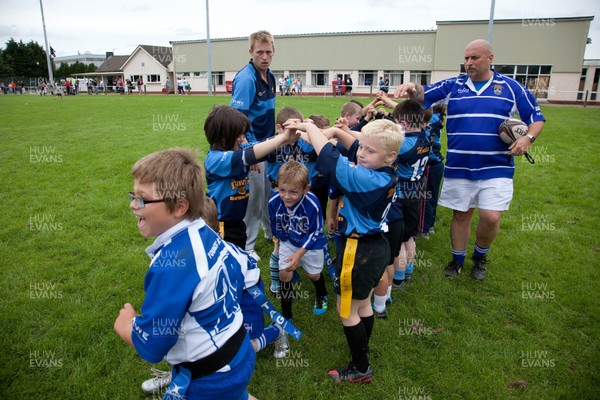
389 292
379 303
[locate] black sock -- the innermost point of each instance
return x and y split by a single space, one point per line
357 341
286 299
320 288
368 322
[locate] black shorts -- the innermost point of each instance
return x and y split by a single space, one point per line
410 212
235 232
394 237
372 255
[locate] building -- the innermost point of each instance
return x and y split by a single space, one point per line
85 58
546 55
152 64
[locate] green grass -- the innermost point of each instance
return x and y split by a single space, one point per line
68 237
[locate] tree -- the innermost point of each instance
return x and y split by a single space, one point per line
23 60
64 70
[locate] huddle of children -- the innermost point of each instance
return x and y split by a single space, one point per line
202 283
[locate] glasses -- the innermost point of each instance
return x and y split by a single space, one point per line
141 203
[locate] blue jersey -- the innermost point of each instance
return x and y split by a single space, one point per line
367 193
435 133
256 99
192 288
475 150
302 226
227 181
410 164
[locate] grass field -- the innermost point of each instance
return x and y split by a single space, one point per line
72 255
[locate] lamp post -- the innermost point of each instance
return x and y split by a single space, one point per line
50 75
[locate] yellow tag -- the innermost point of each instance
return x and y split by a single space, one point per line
222 229
346 277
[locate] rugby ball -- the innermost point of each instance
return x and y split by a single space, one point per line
511 130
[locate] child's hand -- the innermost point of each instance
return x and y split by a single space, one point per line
332 223
341 122
293 262
123 325
371 111
381 95
255 168
296 124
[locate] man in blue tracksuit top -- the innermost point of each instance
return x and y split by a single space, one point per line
254 94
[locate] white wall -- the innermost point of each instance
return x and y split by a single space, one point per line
144 64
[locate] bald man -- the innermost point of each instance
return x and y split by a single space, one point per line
479 166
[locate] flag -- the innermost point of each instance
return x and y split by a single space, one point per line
52 52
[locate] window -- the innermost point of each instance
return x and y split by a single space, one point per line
396 77
134 78
505 69
320 78
580 92
421 77
153 78
199 73
278 75
536 78
595 85
367 78
298 74
218 78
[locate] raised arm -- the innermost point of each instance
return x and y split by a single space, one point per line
268 146
316 138
410 90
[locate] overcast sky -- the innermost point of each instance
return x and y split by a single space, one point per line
120 25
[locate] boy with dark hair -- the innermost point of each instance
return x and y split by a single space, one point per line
364 251
193 285
410 165
227 166
297 222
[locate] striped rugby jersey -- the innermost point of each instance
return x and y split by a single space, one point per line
475 151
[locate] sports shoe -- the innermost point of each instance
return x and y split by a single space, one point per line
351 375
161 380
282 346
320 306
452 269
389 300
408 277
399 284
479 268
380 315
253 254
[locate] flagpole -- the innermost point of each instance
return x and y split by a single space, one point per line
490 23
50 75
209 72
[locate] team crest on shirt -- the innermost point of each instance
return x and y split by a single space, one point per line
497 90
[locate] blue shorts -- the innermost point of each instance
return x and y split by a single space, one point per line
231 384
